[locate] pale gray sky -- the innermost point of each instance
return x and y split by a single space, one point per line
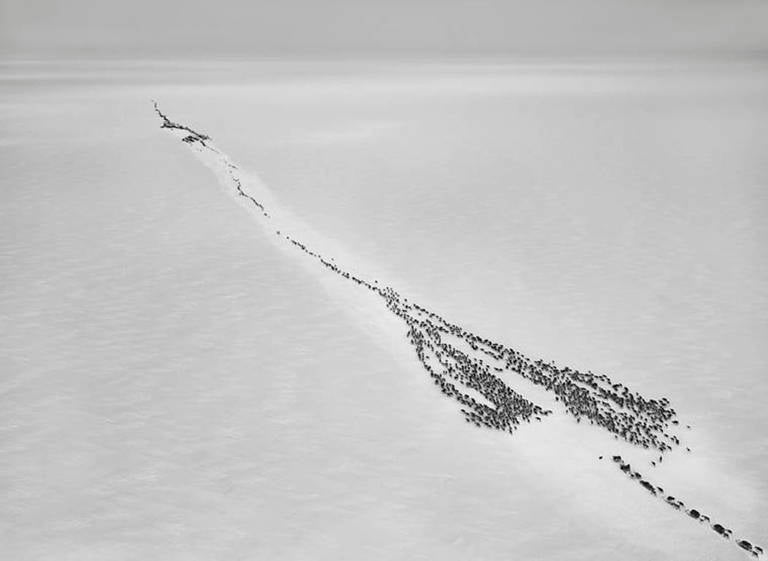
307 27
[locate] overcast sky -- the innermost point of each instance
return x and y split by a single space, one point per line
358 27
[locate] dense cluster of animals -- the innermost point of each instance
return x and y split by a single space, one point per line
467 368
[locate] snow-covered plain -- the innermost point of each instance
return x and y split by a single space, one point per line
175 385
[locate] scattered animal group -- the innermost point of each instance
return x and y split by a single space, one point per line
677 504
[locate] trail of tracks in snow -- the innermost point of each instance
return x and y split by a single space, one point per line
466 366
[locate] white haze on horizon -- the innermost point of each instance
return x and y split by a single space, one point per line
623 28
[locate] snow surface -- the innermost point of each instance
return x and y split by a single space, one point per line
173 386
